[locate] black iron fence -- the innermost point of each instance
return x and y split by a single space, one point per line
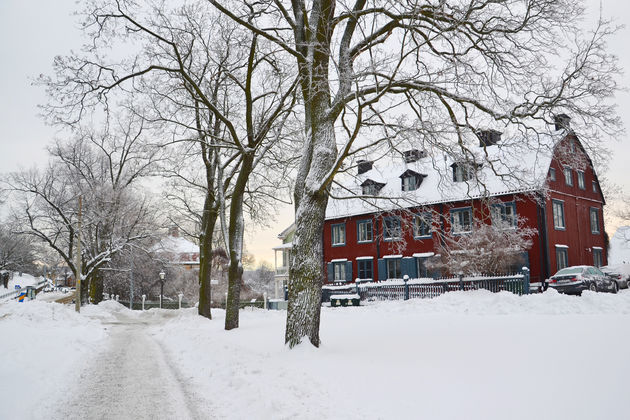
429 288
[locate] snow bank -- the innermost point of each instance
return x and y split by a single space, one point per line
473 355
41 346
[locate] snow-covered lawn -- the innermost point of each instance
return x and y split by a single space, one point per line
464 355
471 355
43 347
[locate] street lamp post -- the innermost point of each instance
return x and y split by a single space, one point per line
162 275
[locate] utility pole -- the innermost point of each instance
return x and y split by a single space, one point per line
77 297
131 281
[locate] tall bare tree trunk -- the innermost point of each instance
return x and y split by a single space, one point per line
306 271
208 222
235 237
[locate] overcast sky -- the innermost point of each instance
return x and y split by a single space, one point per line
33 32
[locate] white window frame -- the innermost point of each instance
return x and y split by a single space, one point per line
594 211
339 271
418 220
394 264
568 176
559 220
338 234
581 183
394 233
457 227
501 218
369 231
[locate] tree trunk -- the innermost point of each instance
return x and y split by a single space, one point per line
96 287
306 271
235 237
209 219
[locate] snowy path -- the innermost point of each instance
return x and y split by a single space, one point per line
132 378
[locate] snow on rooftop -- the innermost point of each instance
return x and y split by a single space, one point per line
176 245
502 169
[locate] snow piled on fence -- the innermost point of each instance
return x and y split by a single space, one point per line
473 355
42 348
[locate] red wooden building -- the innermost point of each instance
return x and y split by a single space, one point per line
390 216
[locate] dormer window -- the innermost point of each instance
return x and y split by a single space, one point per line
411 180
363 166
414 155
463 171
370 187
488 137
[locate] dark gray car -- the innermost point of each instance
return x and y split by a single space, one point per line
574 280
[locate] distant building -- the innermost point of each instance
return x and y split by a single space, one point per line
178 251
554 189
281 260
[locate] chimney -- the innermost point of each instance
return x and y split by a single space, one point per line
562 122
488 137
364 166
173 231
413 155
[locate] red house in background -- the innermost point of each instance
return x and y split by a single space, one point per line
389 217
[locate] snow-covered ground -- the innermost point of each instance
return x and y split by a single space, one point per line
472 355
43 349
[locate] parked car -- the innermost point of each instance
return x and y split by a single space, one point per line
574 280
620 273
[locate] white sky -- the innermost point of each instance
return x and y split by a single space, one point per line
33 32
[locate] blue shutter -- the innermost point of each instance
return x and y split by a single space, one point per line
382 270
348 271
331 273
409 267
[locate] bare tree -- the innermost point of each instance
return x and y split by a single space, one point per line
103 168
16 251
437 69
218 86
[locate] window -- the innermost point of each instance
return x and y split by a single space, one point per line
552 174
422 225
594 220
598 260
562 257
504 215
391 228
581 184
365 268
461 220
339 234
594 186
369 187
339 271
364 231
422 267
393 268
463 172
409 183
558 214
568 176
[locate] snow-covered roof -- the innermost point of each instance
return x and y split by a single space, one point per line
521 166
619 246
176 245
